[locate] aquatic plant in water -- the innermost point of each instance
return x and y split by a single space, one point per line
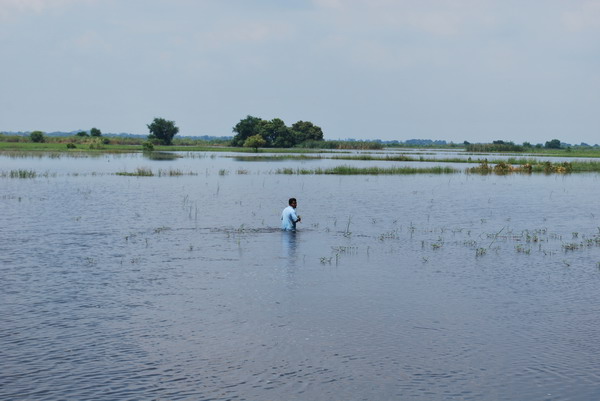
350 170
22 174
139 172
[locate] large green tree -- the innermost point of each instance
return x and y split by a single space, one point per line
162 130
246 128
276 133
95 132
307 131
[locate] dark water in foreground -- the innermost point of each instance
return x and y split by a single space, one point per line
182 288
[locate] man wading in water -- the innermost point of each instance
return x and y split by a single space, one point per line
289 218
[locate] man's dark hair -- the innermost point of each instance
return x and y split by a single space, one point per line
291 201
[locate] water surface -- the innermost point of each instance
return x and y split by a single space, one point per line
394 287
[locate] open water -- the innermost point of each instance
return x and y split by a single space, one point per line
428 287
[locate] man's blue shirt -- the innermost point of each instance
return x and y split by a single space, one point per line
289 219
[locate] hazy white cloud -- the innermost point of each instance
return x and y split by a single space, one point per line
583 16
329 3
241 32
435 17
91 41
9 8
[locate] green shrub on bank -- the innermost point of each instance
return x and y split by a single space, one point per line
37 137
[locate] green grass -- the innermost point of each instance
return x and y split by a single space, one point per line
135 148
62 148
572 152
585 167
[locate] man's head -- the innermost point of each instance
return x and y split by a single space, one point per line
292 202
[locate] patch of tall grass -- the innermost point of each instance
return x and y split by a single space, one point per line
146 172
24 173
21 174
170 172
139 172
585 167
545 167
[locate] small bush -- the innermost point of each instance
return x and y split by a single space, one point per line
96 143
37 136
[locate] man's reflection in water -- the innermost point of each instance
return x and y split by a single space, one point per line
288 254
288 245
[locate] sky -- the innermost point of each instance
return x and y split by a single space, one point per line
454 70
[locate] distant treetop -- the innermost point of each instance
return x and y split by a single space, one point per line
162 131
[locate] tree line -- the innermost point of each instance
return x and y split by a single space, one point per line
256 133
509 146
38 136
251 131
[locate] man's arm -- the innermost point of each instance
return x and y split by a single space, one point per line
295 217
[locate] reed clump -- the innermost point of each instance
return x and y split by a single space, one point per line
549 167
21 174
170 172
139 172
502 168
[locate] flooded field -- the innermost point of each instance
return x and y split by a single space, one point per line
182 286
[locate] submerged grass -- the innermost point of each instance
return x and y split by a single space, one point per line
173 173
161 155
20 174
350 170
146 172
523 161
24 173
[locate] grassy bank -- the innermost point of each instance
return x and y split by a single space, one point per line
74 147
